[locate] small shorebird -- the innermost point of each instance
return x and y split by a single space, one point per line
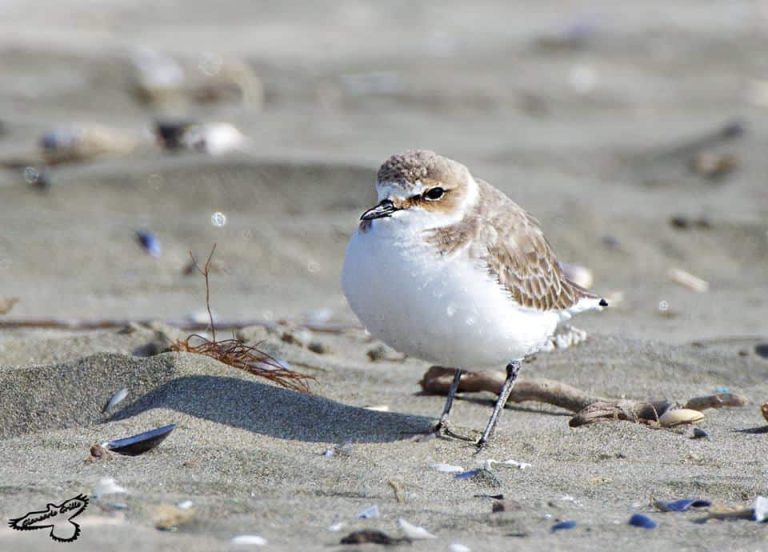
448 269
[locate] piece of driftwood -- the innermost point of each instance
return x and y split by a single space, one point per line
437 380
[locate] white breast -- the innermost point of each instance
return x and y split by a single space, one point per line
444 310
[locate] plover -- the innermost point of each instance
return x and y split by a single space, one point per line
448 269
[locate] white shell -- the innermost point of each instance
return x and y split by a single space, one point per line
414 532
252 540
680 416
108 486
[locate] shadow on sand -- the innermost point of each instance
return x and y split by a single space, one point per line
274 411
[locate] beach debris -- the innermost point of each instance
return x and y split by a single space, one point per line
339 449
458 547
150 243
157 77
717 400
578 274
300 337
234 352
587 409
761 509
399 488
371 512
681 222
185 504
320 348
764 410
382 352
116 398
248 540
170 133
699 433
505 505
75 143
98 452
210 138
447 468
141 442
7 304
567 524
678 416
509 463
724 512
414 532
481 476
377 407
336 527
641 520
761 350
169 517
107 486
688 280
713 166
681 505
370 536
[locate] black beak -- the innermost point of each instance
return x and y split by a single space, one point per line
383 209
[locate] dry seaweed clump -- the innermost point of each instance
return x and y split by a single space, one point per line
237 354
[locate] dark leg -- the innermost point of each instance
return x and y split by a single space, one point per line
442 425
513 368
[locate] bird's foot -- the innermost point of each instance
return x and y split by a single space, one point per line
440 430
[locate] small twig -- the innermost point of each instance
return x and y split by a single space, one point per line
437 380
205 271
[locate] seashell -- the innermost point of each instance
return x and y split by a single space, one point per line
336 527
118 397
377 407
369 513
681 505
699 433
458 547
761 509
157 77
213 138
414 532
579 275
185 504
81 143
447 468
108 486
679 416
467 474
688 280
248 540
149 242
568 524
142 442
641 520
169 517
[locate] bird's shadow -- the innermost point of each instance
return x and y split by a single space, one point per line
275 411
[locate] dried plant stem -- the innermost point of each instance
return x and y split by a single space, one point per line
235 353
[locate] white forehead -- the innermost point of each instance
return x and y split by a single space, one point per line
394 189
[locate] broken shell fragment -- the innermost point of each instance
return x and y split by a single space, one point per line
641 520
414 532
680 416
142 442
568 524
118 397
688 280
681 505
81 143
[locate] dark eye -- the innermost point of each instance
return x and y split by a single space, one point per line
434 193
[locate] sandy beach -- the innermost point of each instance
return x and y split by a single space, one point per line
636 135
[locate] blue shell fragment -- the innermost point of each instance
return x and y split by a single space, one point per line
142 442
641 520
466 474
149 242
568 524
683 504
